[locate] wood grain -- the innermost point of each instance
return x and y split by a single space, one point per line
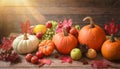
13 12
56 64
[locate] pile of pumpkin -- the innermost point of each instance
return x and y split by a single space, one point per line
67 38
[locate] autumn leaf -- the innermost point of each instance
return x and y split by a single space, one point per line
111 28
65 59
64 24
25 26
100 64
44 61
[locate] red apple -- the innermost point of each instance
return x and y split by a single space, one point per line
74 31
48 24
39 54
39 35
34 59
28 57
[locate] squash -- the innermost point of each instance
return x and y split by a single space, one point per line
40 28
64 42
92 35
25 43
111 49
46 47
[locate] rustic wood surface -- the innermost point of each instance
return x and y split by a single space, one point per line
56 64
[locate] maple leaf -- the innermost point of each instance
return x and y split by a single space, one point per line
100 64
65 59
65 24
111 28
6 43
25 26
44 61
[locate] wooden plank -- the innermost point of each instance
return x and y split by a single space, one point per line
59 10
12 22
60 3
55 65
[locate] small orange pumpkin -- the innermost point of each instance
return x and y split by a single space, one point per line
92 35
111 49
64 42
46 47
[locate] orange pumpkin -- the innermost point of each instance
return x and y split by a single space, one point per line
64 42
46 47
111 49
92 35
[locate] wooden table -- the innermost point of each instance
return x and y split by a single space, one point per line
56 64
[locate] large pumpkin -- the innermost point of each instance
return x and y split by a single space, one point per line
25 44
111 49
46 47
64 42
92 35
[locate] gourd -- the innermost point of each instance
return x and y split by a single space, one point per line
46 47
111 49
64 42
92 35
25 43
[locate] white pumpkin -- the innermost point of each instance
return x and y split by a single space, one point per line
25 43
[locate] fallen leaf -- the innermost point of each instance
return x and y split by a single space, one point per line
44 61
65 59
100 64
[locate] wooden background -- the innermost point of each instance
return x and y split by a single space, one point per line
13 12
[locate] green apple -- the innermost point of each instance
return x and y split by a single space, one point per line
77 27
76 54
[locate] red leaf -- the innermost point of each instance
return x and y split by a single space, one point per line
25 27
65 59
44 61
7 43
100 64
111 28
66 24
70 22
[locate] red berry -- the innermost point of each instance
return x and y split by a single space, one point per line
28 57
48 24
39 35
34 59
39 54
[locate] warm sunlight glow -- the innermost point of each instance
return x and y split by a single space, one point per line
12 2
23 7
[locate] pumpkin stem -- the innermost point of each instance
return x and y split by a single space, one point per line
91 21
112 38
25 36
65 32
